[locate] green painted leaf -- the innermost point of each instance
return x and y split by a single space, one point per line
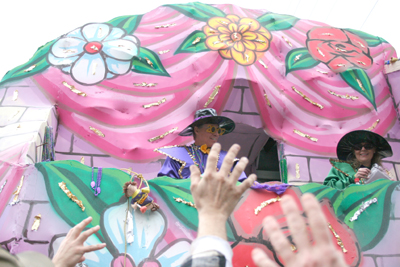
304 60
198 11
168 188
140 65
77 178
371 40
128 23
38 59
353 77
187 45
277 22
373 220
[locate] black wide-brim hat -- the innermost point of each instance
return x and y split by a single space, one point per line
209 116
347 142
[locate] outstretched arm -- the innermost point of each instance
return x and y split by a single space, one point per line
72 250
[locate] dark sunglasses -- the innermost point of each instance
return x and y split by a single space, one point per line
367 146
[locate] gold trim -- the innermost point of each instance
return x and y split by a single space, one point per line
156 103
183 163
373 125
314 139
96 131
306 98
346 96
73 89
340 161
64 188
266 203
162 135
213 95
339 240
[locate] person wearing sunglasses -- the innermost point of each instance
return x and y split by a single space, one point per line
206 128
357 152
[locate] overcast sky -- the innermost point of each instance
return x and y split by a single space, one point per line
27 24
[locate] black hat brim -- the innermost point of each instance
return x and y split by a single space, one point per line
345 146
222 122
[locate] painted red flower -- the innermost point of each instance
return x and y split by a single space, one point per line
339 49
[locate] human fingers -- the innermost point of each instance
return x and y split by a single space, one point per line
316 219
239 168
85 235
261 259
194 176
93 247
246 184
278 239
228 160
212 159
77 229
295 222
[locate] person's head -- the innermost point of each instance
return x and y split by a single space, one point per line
207 134
129 188
202 118
365 154
362 147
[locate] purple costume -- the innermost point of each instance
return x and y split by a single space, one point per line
141 197
179 159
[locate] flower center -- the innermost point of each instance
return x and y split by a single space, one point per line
236 36
93 47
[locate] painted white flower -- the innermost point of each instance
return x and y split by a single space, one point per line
148 248
94 52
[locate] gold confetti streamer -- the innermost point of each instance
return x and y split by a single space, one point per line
343 96
297 57
340 65
373 125
163 52
213 95
16 192
98 132
156 103
149 62
361 85
36 222
360 44
266 99
320 52
64 188
83 160
287 41
73 89
340 49
305 135
163 135
165 26
197 40
306 98
180 200
263 64
339 240
30 68
361 62
323 72
143 84
15 95
297 171
266 203
260 41
326 33
293 247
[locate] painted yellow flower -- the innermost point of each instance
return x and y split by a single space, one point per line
241 39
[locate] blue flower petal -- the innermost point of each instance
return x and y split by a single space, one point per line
176 254
116 33
147 229
89 69
120 49
67 47
133 39
95 32
110 75
75 34
118 67
61 61
67 69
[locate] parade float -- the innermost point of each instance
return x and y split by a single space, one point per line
85 114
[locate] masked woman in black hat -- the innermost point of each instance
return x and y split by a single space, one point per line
357 152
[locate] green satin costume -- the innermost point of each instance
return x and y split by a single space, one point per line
341 175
